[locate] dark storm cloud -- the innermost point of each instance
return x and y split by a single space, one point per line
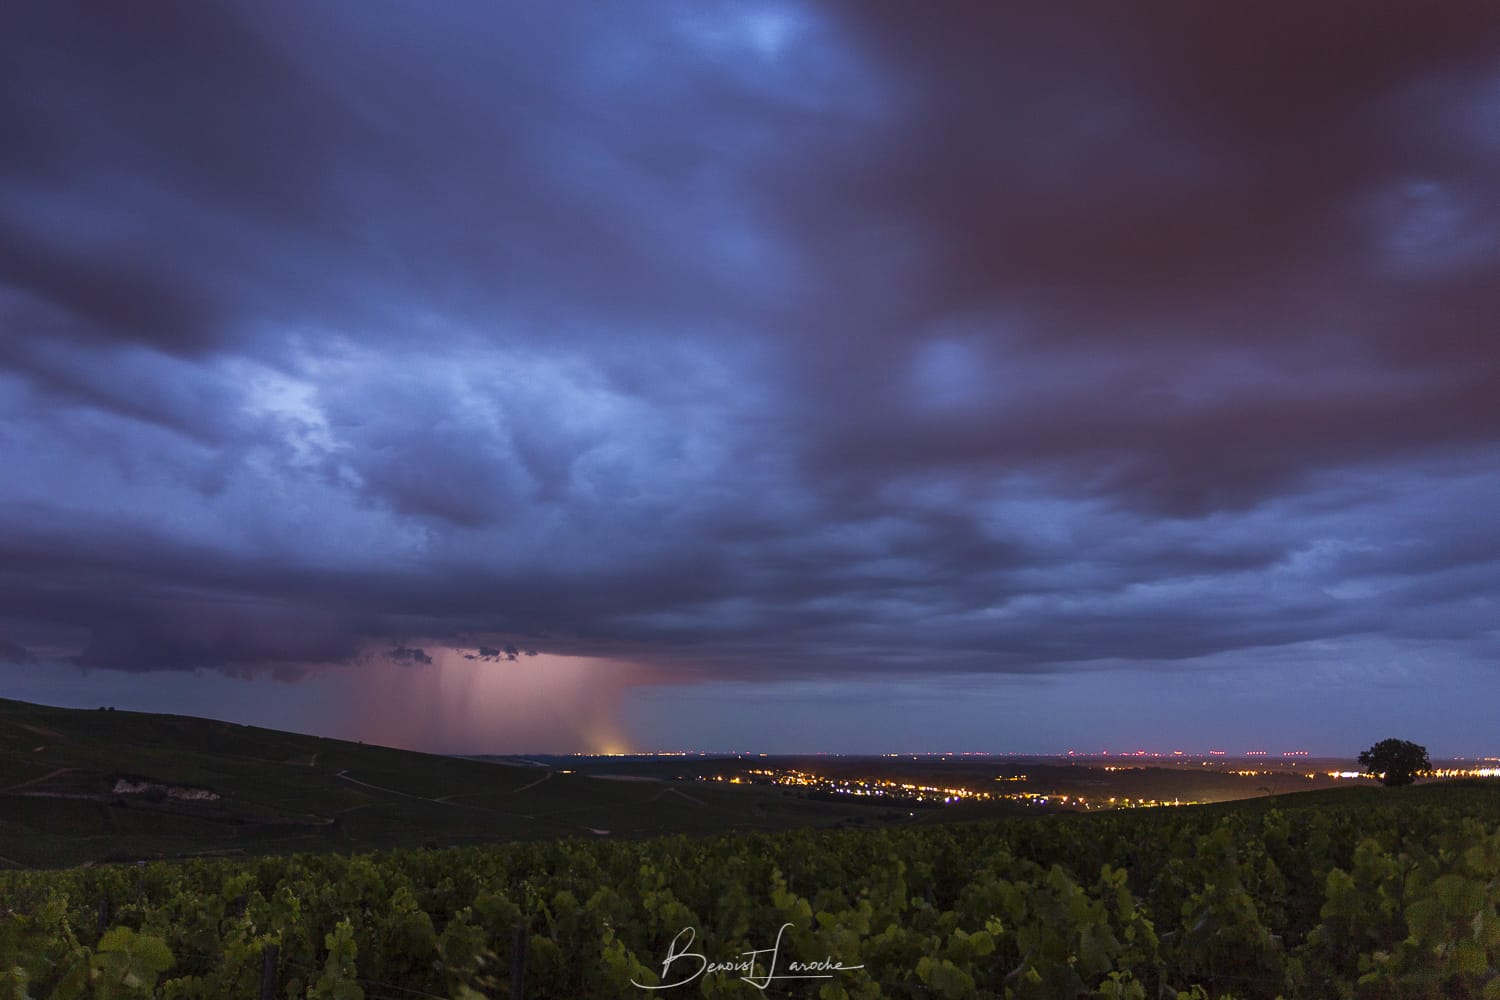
763 341
409 654
1213 226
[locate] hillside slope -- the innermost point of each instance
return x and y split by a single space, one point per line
79 785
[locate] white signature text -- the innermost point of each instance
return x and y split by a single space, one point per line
751 966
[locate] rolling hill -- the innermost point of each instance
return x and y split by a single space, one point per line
82 785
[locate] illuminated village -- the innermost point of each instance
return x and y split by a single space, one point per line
905 792
1054 784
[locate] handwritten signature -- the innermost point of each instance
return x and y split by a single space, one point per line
746 964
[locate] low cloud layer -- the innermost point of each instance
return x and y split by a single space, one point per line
774 342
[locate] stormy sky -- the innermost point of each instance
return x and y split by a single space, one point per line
772 376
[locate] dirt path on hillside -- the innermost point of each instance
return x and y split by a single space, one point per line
43 731
344 776
550 820
533 784
444 801
680 794
37 781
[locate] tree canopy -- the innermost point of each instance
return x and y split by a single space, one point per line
1395 762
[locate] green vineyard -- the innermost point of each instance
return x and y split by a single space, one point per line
1367 893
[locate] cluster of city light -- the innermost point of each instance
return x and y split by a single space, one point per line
1188 753
950 755
941 754
676 753
871 787
901 791
1199 762
1437 772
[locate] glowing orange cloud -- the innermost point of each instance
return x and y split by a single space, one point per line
540 704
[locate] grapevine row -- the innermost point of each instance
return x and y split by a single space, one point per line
1400 901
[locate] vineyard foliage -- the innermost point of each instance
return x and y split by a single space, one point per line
1394 899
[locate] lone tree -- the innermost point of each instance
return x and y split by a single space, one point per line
1395 762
